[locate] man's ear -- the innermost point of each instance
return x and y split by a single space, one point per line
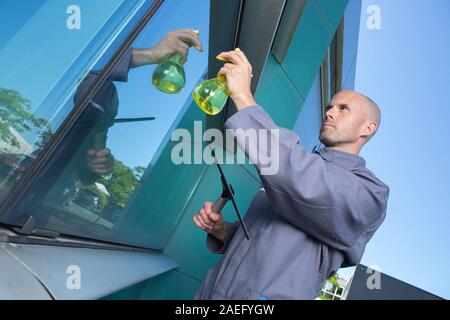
373 126
369 129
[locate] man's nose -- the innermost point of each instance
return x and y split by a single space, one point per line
329 114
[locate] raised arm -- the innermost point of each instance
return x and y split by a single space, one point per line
332 204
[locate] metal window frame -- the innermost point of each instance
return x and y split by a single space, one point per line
336 55
325 98
225 19
292 13
331 69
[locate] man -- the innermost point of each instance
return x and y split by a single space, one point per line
313 216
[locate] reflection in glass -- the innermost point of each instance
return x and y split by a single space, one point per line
169 76
16 154
37 86
96 184
87 185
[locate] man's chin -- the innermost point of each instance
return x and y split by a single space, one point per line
326 141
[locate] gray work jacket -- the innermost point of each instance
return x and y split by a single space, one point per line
313 216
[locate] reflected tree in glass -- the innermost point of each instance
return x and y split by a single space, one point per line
15 114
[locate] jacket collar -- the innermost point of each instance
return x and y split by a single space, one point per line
341 158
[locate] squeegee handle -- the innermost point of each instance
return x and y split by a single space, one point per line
219 204
99 141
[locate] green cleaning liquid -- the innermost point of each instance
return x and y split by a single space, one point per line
169 76
211 95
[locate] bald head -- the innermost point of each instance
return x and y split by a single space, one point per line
366 105
372 111
351 119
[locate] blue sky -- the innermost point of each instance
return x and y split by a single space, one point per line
405 67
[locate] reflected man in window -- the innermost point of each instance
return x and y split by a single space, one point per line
72 176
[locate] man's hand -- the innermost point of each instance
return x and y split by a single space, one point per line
175 41
100 162
238 73
211 222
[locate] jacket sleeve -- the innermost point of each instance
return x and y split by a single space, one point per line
214 245
120 71
332 204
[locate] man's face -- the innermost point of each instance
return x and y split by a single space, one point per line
345 118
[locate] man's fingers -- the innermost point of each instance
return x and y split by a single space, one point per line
100 154
201 223
229 66
103 166
223 72
189 37
100 157
183 48
242 55
232 56
189 32
198 223
183 45
207 206
202 220
228 56
236 57
244 58
205 218
100 161
214 217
